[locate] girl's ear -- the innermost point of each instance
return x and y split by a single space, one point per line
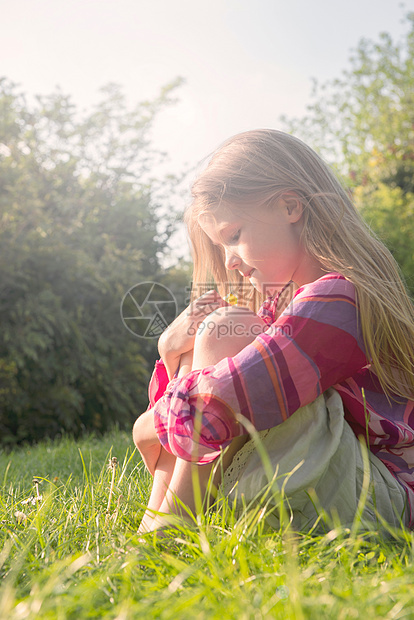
293 205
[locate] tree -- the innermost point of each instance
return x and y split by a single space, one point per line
79 225
363 124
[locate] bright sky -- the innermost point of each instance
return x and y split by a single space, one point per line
245 62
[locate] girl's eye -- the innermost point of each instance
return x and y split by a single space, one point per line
235 237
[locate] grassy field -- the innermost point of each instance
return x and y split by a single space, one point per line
69 549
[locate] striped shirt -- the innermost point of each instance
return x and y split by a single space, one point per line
316 343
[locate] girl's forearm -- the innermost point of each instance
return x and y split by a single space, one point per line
172 362
170 357
175 361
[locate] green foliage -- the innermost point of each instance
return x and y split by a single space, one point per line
363 124
64 556
79 225
390 211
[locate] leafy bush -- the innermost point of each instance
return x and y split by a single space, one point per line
79 225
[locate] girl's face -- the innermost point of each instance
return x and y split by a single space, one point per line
264 244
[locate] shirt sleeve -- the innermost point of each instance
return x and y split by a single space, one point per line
314 344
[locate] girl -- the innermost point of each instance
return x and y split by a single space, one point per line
322 355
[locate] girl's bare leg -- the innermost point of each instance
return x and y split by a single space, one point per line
165 466
173 477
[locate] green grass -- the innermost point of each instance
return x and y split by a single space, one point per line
69 558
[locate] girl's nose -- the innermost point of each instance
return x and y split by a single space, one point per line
231 260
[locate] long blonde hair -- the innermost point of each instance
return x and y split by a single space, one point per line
258 166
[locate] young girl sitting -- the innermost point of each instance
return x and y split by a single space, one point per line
322 354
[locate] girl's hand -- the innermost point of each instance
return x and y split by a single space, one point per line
179 337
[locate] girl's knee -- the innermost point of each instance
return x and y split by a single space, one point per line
226 331
231 322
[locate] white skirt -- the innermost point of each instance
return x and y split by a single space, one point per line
314 466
